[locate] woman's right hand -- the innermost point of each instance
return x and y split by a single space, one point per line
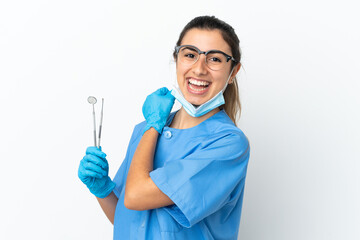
156 109
93 172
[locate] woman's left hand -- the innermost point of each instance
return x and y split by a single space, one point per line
157 108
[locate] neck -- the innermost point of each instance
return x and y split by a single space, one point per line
183 120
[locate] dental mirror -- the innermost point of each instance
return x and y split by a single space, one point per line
92 100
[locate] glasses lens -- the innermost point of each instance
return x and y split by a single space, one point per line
188 55
215 61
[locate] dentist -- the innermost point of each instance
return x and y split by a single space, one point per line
184 173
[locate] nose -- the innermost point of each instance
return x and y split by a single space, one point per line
200 68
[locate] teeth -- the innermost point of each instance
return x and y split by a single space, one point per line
198 83
195 89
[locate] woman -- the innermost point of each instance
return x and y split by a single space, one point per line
184 172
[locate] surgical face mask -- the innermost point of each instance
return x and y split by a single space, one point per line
204 108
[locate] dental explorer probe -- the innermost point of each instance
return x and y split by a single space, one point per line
101 119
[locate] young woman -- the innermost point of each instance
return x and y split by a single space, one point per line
184 172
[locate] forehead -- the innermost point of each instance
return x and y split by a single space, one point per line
206 40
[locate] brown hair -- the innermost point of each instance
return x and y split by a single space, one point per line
232 104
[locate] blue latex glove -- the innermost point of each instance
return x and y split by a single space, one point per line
156 109
93 172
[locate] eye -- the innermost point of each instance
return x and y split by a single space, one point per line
189 55
215 59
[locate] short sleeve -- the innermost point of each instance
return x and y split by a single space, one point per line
202 182
120 176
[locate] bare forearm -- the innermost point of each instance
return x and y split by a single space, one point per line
108 205
142 162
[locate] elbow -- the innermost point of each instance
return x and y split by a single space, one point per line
127 201
131 201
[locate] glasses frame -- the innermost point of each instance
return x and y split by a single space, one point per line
228 57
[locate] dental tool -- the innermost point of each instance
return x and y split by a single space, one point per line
101 119
92 100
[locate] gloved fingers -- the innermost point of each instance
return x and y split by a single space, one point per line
83 173
162 91
89 173
89 166
95 151
96 160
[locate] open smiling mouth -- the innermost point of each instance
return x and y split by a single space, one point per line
197 86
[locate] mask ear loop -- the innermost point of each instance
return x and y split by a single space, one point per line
227 81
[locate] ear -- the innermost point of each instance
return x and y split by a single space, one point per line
233 75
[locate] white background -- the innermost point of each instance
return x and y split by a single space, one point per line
299 92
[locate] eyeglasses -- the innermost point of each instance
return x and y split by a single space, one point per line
214 59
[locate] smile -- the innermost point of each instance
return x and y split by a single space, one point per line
197 86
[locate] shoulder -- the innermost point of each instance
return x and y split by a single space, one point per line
222 125
225 136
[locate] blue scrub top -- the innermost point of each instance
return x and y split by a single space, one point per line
202 170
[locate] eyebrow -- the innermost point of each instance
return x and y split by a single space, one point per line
211 50
190 48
